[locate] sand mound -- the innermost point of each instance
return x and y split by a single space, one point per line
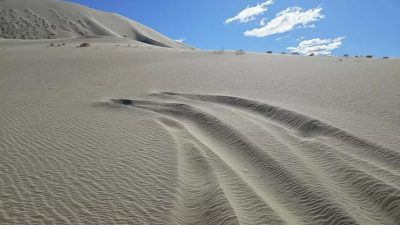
87 135
52 19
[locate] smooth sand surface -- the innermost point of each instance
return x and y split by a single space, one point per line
124 132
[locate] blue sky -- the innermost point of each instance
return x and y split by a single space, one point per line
334 27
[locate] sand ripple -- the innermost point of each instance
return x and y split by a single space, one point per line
177 158
309 172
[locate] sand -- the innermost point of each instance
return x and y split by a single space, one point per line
53 19
128 132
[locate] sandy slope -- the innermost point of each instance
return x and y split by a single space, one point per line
128 132
53 19
198 137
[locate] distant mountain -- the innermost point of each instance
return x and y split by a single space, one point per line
53 19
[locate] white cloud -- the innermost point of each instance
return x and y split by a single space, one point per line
263 21
282 37
181 40
250 13
317 46
286 20
300 38
307 26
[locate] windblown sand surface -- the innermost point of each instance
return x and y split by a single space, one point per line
89 135
125 132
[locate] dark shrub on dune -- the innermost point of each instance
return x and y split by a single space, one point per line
219 52
269 52
85 44
369 56
240 52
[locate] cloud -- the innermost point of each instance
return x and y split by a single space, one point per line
307 26
250 13
300 38
287 20
181 40
263 21
282 37
317 46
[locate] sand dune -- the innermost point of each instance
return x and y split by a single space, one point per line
53 19
126 131
91 139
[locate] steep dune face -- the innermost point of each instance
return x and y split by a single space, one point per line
52 19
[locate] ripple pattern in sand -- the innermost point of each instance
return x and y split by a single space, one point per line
189 159
245 162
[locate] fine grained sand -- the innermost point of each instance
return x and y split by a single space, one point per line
124 132
53 19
